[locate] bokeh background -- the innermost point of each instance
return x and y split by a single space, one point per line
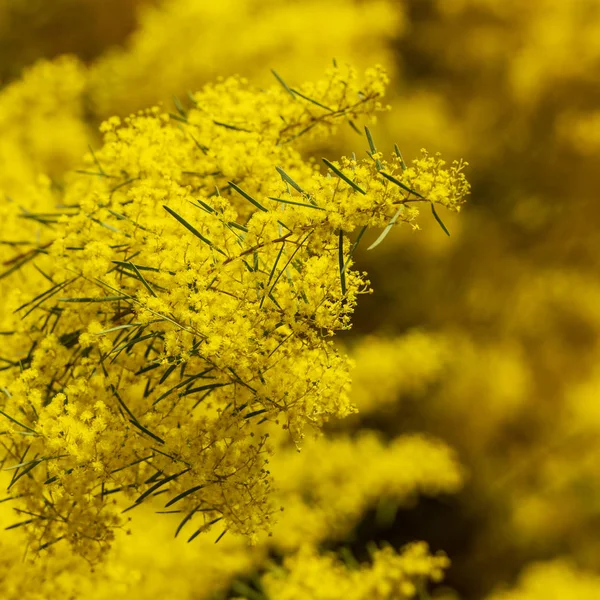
487 340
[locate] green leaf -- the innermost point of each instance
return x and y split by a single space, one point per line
401 185
341 261
221 536
352 124
283 83
100 169
399 155
356 242
254 413
179 107
135 340
158 485
312 101
233 127
388 228
192 229
17 422
188 517
209 209
102 299
185 494
289 180
247 196
373 149
16 525
370 140
296 203
344 178
146 431
178 118
203 528
437 218
201 147
203 388
143 280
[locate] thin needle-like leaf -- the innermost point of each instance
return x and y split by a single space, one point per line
341 261
401 185
283 84
344 177
248 197
437 218
192 229
388 228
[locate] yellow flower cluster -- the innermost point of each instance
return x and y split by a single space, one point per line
179 45
197 272
387 369
42 124
390 575
555 580
324 499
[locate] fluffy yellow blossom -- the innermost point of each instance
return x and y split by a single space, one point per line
390 575
179 45
555 580
196 279
42 124
386 369
324 499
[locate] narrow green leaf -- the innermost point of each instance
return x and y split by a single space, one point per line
100 169
373 149
401 185
343 177
117 328
185 494
388 228
203 388
192 229
221 536
17 422
158 485
146 431
283 84
315 102
250 199
178 118
209 209
30 467
399 155
370 140
143 280
275 264
437 218
233 127
179 107
352 124
134 340
130 265
341 261
16 525
254 413
356 242
289 180
102 299
201 147
203 528
186 519
54 541
296 203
